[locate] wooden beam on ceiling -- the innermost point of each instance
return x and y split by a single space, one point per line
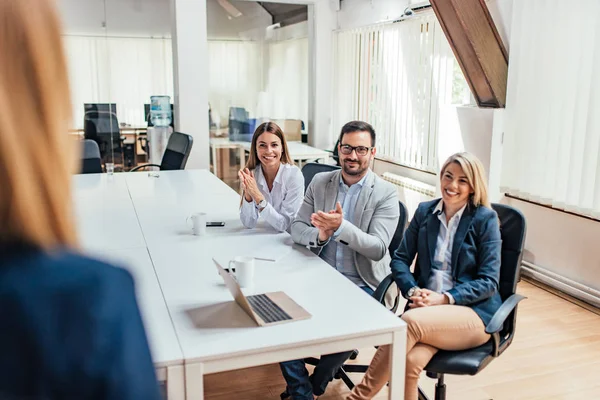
477 46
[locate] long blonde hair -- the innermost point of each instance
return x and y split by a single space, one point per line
36 154
475 173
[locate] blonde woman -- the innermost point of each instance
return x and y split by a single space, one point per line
71 328
453 292
273 187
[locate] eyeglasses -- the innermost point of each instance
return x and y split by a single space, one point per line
346 149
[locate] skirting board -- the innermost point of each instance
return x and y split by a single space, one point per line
570 287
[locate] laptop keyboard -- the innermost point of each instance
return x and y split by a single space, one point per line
267 309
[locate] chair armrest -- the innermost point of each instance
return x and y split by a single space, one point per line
143 166
382 289
495 324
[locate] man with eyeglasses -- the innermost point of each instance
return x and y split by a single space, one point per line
348 218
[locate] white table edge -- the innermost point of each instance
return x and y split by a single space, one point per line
219 363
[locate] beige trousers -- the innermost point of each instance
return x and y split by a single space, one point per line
446 327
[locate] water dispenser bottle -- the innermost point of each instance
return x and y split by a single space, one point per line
160 115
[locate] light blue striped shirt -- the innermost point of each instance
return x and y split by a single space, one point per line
337 255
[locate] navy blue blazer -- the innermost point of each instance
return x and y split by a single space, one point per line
70 329
476 255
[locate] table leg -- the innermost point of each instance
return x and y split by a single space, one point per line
194 381
242 153
397 365
214 158
175 383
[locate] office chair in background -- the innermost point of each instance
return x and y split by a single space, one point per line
91 162
176 154
309 170
103 128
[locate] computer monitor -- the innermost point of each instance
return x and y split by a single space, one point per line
107 107
149 121
239 124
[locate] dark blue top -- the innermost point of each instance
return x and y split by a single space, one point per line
70 328
476 252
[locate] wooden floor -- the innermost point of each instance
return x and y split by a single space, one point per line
555 355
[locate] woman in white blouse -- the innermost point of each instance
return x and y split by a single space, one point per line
272 186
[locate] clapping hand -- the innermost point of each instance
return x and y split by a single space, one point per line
327 223
249 186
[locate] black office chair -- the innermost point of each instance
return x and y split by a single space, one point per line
91 162
176 154
335 153
503 323
309 170
380 295
103 128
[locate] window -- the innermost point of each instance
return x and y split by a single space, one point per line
552 129
125 71
396 76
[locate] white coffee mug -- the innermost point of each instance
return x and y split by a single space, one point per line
244 270
198 223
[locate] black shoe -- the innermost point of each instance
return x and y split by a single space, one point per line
284 395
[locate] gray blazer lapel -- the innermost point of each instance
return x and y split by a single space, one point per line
331 193
433 228
461 233
363 198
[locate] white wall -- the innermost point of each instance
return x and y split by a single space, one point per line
137 18
148 18
355 13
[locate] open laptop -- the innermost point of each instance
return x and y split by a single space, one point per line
267 308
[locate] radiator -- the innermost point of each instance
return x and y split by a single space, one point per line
410 191
568 286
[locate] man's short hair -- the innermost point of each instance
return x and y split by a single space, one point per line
358 126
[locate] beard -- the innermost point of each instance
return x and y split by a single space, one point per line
362 167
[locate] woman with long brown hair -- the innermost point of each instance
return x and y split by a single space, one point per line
71 328
272 186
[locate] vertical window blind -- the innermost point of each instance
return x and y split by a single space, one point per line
125 71
395 76
552 127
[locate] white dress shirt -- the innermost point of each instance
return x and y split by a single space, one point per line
440 278
283 201
338 256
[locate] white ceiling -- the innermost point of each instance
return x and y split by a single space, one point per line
152 18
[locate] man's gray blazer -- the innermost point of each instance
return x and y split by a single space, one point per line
376 217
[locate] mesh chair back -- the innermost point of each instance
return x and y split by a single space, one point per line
103 128
512 229
177 152
311 169
400 228
91 162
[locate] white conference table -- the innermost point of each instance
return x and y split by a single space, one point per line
202 321
299 152
109 229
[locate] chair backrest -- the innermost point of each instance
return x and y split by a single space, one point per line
336 154
309 170
513 228
91 162
177 152
96 123
400 228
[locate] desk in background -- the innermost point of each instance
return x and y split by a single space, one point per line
299 152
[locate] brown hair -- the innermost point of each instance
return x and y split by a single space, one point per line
273 128
475 174
36 158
